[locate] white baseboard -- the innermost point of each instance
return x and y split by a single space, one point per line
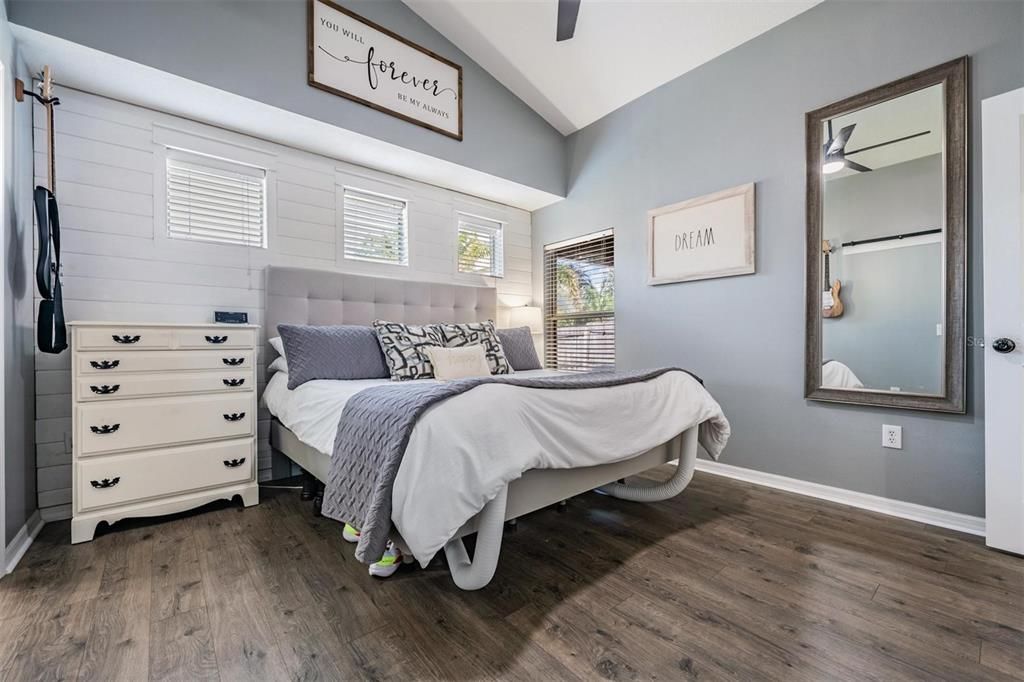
23 540
61 512
975 525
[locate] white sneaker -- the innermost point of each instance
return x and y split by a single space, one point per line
388 563
350 534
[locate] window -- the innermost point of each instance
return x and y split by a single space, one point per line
210 200
480 246
376 228
579 303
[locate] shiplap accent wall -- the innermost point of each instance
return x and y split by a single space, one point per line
119 264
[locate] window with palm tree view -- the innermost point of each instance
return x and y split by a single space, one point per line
579 303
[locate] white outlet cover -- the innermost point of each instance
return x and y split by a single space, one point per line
892 436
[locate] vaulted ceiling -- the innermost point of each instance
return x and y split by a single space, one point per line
622 48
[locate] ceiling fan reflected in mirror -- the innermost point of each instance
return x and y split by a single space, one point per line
836 153
567 12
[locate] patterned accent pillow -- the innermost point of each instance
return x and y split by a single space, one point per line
404 345
519 348
477 334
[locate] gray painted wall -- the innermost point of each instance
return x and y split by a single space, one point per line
739 118
257 49
892 299
18 342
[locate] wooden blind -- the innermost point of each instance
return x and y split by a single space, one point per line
376 228
481 250
214 201
579 303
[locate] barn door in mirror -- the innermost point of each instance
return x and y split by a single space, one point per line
886 223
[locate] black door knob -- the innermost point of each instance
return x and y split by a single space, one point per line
1003 345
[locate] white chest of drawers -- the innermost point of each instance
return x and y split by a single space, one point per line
163 419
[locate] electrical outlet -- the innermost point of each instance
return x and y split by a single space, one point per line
892 436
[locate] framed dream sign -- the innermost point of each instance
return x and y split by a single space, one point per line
710 236
355 58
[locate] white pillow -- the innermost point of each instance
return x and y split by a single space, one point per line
458 363
279 364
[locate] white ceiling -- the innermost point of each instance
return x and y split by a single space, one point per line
622 48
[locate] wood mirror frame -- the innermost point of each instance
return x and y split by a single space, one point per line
953 76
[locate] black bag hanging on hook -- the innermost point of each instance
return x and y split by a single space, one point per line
51 332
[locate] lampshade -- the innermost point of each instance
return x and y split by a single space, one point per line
525 316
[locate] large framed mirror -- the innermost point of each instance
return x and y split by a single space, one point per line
886 244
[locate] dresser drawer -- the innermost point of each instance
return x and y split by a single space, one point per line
120 479
116 425
216 337
91 388
124 338
113 363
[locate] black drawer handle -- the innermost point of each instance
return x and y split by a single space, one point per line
216 339
126 338
104 389
233 362
234 416
233 382
104 364
105 429
232 463
106 482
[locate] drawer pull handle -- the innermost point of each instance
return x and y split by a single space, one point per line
233 362
104 389
106 482
234 416
232 463
104 364
105 429
126 338
216 339
233 382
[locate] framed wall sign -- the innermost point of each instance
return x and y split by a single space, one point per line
355 58
710 236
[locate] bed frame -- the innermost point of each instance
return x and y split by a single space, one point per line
317 297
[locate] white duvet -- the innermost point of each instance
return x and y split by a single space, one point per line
463 450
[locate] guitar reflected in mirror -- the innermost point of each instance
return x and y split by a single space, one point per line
831 303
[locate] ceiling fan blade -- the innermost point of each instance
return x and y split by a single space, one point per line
840 140
853 165
567 12
882 144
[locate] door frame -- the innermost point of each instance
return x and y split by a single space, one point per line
1003 208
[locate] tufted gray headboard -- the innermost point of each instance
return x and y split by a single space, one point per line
322 297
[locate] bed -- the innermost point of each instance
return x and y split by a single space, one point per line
303 419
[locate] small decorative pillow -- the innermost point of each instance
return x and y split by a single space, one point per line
477 334
519 348
404 348
458 363
332 352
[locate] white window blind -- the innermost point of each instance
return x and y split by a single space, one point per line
376 228
216 201
481 248
579 303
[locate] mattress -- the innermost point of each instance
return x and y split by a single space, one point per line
465 449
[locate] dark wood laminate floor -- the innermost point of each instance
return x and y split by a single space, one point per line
728 581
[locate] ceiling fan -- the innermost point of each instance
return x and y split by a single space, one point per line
836 153
567 12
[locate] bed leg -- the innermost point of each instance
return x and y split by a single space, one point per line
562 506
308 486
684 449
318 499
512 525
475 574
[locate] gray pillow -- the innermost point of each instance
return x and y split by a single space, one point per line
338 352
519 348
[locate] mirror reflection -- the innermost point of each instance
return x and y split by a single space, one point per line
882 293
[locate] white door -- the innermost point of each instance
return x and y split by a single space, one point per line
1003 206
